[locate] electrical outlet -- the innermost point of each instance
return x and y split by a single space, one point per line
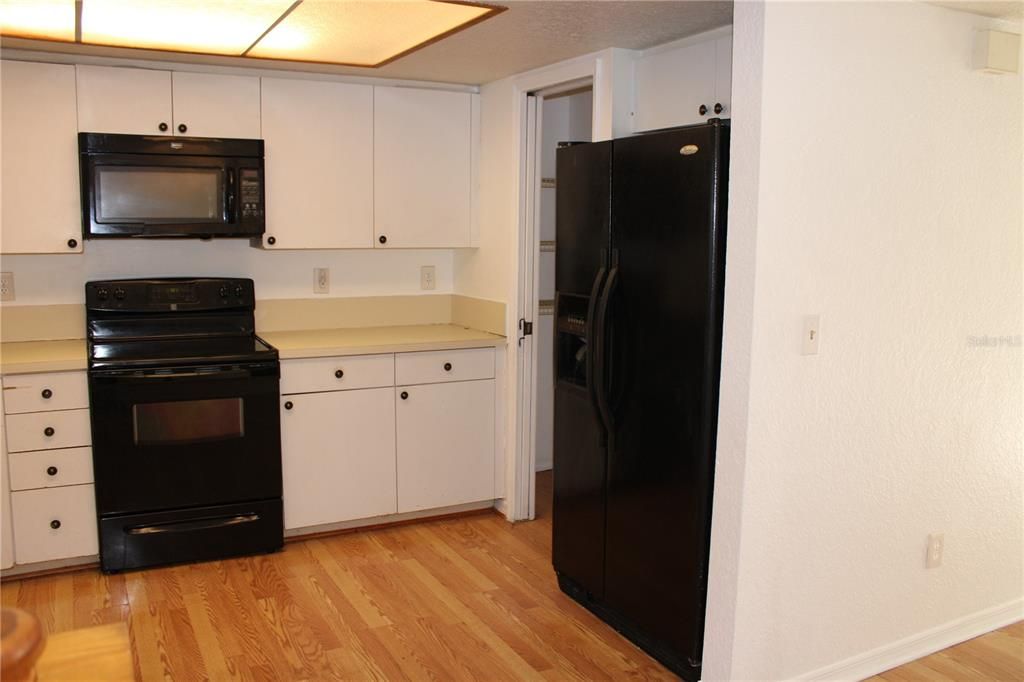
6 286
934 557
321 280
812 332
427 280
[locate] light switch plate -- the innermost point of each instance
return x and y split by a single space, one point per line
427 277
6 286
321 280
811 335
935 546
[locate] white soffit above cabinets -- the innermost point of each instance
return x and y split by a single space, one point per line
998 9
530 34
366 33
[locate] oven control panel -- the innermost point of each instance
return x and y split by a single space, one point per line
157 295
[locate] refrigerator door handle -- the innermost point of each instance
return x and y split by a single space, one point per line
593 341
601 389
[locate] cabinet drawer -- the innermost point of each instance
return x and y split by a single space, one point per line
337 374
446 365
54 523
41 392
50 468
48 430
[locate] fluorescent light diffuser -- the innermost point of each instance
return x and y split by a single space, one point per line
208 26
41 19
362 32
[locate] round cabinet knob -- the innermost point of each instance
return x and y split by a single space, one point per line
382 239
447 366
51 471
339 373
288 405
271 241
48 431
719 108
162 127
72 243
703 109
47 394
405 395
182 127
55 524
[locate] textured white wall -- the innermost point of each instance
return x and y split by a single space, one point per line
277 274
888 201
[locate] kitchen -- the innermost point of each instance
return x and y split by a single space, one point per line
394 252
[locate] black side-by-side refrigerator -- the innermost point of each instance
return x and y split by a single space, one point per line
640 265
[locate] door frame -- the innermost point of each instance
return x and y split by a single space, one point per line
529 91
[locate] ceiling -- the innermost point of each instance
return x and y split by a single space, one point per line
530 34
1000 9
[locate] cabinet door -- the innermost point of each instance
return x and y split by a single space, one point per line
671 85
422 167
119 100
319 161
40 210
445 444
213 105
6 529
723 75
338 456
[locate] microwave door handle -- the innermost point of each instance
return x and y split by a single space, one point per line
229 197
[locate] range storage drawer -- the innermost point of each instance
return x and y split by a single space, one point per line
54 523
43 392
434 367
48 430
50 468
337 374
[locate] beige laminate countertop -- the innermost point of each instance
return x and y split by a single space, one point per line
28 357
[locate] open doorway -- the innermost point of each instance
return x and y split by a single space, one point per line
564 116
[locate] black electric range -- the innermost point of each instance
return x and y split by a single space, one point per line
185 422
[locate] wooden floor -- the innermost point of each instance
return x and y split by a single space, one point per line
466 598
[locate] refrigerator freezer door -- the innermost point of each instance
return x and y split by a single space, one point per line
662 364
582 215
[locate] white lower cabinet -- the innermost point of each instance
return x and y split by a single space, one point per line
445 444
338 457
54 523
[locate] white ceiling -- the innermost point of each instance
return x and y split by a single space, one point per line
1000 9
530 34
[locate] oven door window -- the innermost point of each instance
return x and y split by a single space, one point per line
141 194
188 421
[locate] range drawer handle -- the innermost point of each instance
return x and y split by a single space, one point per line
339 373
47 394
51 471
55 524
48 431
447 366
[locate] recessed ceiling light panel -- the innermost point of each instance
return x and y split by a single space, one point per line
42 19
363 32
208 26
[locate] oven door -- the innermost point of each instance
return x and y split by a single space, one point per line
152 195
170 439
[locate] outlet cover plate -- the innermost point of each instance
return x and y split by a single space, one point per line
6 286
428 277
321 280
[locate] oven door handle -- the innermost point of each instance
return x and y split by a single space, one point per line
193 525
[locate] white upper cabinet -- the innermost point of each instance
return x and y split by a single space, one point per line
40 210
150 102
422 168
214 105
678 85
319 164
120 100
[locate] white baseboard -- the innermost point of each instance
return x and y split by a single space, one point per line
922 644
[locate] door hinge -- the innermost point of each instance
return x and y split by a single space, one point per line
525 329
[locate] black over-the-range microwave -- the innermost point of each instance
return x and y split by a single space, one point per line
152 186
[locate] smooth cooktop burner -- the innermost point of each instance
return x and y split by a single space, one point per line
179 352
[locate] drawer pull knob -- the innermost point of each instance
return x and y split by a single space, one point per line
55 524
338 373
51 471
447 366
47 394
405 395
288 405
48 431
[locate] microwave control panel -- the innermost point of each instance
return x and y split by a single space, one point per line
251 193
